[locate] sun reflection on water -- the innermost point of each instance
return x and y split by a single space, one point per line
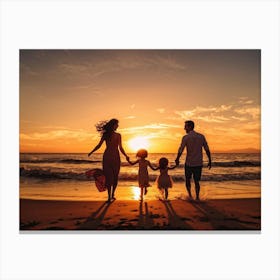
135 192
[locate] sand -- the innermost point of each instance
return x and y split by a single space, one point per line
155 215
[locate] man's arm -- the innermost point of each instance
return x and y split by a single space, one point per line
180 151
207 150
209 158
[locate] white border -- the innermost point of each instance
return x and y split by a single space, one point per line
139 24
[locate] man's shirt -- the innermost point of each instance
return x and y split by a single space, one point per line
193 142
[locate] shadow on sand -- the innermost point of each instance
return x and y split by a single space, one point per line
221 220
94 222
146 220
175 222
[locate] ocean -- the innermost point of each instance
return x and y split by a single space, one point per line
62 177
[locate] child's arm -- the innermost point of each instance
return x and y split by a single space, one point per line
132 162
172 167
154 168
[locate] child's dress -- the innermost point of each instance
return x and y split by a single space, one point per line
164 181
143 175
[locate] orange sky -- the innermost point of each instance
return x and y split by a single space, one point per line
64 93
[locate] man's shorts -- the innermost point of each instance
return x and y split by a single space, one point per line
194 171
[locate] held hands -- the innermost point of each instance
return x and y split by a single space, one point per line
177 161
127 158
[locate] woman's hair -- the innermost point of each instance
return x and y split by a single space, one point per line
163 163
106 128
142 153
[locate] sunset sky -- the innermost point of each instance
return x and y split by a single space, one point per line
64 93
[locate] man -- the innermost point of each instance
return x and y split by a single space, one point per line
193 142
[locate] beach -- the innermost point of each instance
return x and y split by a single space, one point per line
55 194
220 214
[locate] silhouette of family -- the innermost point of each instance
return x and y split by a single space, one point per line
193 142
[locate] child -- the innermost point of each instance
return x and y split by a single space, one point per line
143 175
164 181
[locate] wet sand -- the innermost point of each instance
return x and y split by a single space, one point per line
219 214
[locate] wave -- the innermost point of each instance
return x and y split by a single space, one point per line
84 161
55 160
237 164
55 175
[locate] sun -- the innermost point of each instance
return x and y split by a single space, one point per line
138 143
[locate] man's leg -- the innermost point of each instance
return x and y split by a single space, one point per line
197 189
188 186
188 175
197 176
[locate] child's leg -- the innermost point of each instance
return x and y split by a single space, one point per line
166 193
141 193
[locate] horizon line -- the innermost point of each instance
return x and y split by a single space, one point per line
214 152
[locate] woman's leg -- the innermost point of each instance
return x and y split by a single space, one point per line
116 171
108 172
109 192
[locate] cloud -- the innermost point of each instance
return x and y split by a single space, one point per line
167 62
129 117
79 135
239 118
254 112
197 111
187 114
244 100
153 126
121 62
27 70
214 119
161 110
223 113
154 130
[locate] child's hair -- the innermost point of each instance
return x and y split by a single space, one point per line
163 163
142 153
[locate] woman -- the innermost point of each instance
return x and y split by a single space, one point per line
111 155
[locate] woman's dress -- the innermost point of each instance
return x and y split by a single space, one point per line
111 160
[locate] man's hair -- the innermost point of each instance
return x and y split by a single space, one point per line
190 124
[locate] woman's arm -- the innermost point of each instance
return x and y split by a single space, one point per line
121 148
97 146
133 162
154 168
